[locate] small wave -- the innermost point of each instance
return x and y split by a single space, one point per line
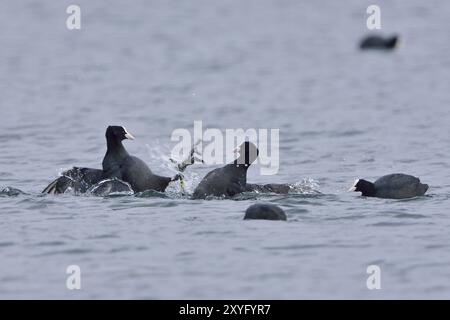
6 244
313 246
389 224
151 194
11 192
347 133
410 215
50 243
242 196
74 251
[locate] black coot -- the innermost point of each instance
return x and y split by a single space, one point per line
264 211
392 186
117 164
379 42
230 179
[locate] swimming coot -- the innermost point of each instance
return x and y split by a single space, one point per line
230 179
392 186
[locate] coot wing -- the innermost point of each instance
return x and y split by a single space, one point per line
77 179
215 183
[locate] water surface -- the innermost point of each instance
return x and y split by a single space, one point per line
155 66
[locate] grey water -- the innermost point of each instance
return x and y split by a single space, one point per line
154 66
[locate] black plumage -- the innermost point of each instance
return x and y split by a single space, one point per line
117 164
392 186
231 179
379 42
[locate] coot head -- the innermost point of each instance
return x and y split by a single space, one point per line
367 188
118 133
246 153
393 41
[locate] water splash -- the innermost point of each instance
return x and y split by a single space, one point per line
160 154
306 186
11 192
111 187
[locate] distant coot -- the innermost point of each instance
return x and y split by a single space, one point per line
392 186
117 164
231 179
264 212
379 42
